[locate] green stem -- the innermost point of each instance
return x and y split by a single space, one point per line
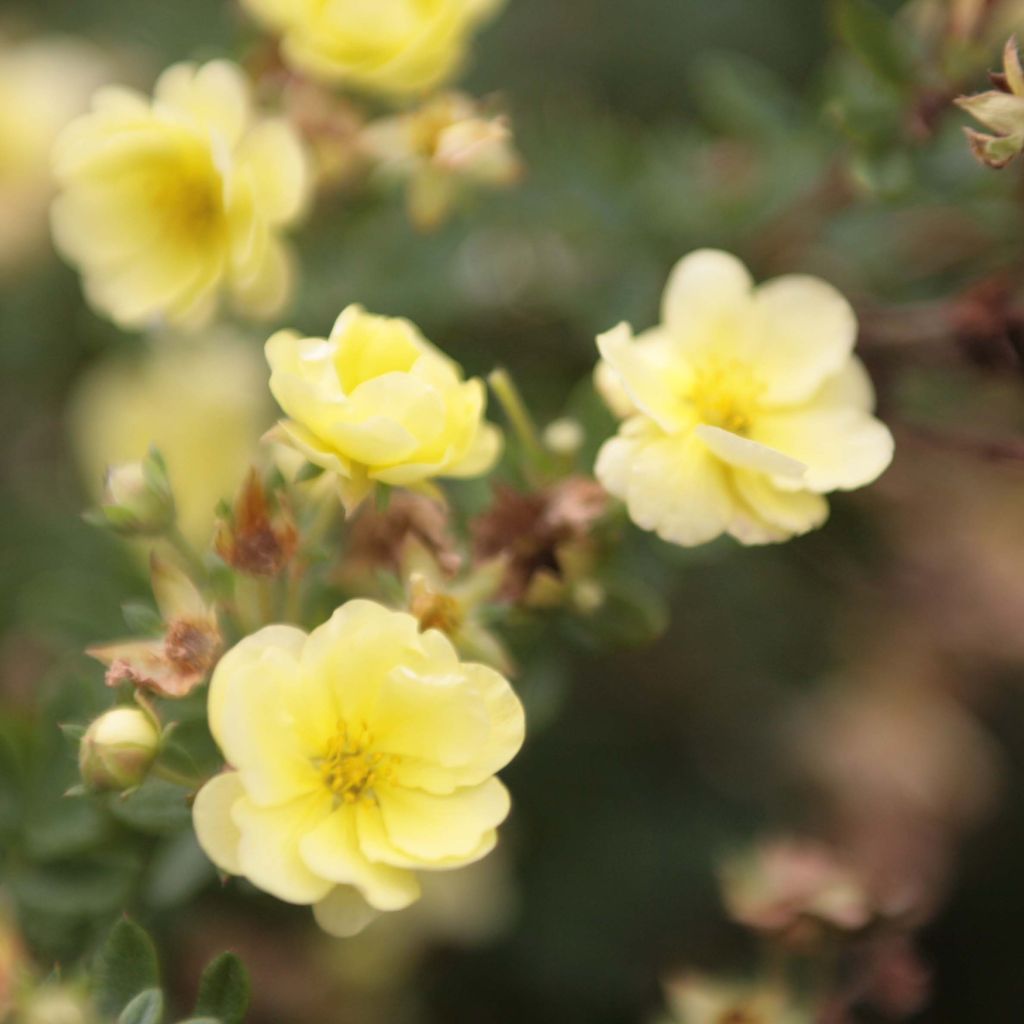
188 782
519 418
193 563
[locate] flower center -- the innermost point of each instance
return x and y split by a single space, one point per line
188 200
724 393
349 768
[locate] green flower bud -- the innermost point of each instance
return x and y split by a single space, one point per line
138 501
118 749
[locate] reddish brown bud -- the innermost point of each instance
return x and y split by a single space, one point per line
259 538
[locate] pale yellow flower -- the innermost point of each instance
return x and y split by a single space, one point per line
43 85
442 150
749 407
167 204
388 47
361 753
202 403
377 403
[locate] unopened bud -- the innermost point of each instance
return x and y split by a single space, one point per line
118 749
138 501
564 437
258 535
56 1004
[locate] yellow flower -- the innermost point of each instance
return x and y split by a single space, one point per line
167 204
200 403
361 753
42 83
748 407
442 150
377 403
389 47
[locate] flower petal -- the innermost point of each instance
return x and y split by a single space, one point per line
441 828
804 332
706 302
332 851
216 831
268 853
344 912
784 513
842 448
746 454
673 485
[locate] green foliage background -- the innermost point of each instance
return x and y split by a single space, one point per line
661 758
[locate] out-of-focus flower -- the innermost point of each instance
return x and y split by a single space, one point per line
750 407
43 85
696 999
376 403
783 884
137 499
1002 111
440 150
258 536
390 47
167 204
361 753
174 664
539 534
564 437
202 405
117 750
332 126
458 608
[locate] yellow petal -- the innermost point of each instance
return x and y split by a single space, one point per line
746 454
842 448
706 303
332 851
268 852
278 166
674 486
784 513
215 827
804 332
343 912
440 828
214 95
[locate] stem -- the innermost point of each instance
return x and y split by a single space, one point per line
193 563
519 417
177 778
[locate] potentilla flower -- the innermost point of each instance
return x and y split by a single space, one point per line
441 150
359 754
748 407
43 83
167 204
376 403
389 47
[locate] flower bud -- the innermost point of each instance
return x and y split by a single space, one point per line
564 437
138 501
118 749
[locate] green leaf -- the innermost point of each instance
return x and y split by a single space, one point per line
873 37
309 471
127 966
146 1008
224 990
142 618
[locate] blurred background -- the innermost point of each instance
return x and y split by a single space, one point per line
861 685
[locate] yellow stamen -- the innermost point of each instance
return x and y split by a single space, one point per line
724 393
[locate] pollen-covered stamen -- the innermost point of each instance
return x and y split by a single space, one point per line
350 768
724 393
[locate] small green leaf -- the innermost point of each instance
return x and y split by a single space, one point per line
224 990
146 1008
142 618
873 37
127 966
309 471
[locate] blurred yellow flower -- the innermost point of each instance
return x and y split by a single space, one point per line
749 406
361 753
42 87
441 150
389 47
167 204
201 403
377 403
